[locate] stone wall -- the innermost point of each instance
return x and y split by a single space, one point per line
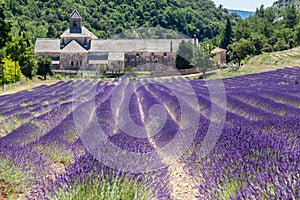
116 65
74 61
220 58
147 61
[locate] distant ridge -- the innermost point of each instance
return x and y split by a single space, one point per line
241 13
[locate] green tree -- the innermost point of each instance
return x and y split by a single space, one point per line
12 71
260 12
240 50
184 55
27 61
4 27
52 32
297 34
281 45
106 18
28 64
259 41
15 49
202 59
291 16
19 50
226 40
44 66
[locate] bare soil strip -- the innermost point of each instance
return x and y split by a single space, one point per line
182 185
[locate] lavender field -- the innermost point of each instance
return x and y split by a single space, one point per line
256 155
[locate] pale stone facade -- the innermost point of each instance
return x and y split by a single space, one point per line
220 56
78 48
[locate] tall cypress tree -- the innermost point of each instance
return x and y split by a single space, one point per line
226 40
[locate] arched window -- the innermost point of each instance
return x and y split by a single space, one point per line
72 63
75 23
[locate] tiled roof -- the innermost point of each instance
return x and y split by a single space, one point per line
85 33
43 45
135 45
111 46
218 50
73 47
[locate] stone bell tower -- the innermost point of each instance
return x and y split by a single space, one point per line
75 22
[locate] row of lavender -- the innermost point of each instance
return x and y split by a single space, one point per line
258 157
56 129
257 154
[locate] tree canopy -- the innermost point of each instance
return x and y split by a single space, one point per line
12 71
267 31
4 27
107 18
184 55
202 59
44 66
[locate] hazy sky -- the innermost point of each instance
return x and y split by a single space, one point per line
244 5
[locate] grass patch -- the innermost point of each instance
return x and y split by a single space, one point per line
229 190
264 62
102 188
22 85
13 181
24 104
56 153
282 113
9 124
225 73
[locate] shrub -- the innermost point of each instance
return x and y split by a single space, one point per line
12 71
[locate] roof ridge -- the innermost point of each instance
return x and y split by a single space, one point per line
47 38
73 42
73 14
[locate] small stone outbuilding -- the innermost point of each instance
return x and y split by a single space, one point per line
220 56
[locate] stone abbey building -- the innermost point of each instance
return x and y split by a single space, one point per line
78 48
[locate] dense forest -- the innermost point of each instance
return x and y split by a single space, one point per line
283 3
49 18
267 31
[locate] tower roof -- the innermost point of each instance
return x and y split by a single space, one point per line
75 15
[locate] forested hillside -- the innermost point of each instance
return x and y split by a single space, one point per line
283 3
49 18
265 32
279 6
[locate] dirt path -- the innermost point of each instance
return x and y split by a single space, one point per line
182 185
4 189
